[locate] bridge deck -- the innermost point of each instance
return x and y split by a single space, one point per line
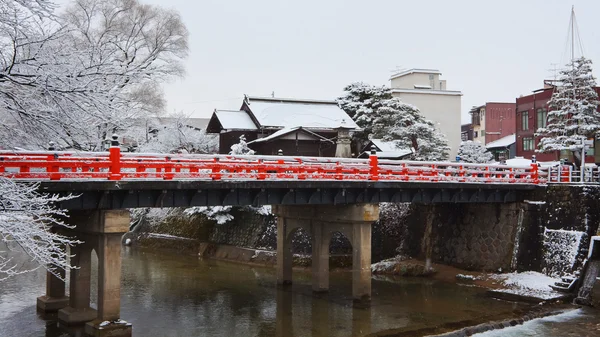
186 193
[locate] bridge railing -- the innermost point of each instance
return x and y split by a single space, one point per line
114 165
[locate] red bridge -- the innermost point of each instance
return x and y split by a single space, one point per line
114 165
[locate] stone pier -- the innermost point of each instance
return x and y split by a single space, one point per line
101 233
321 221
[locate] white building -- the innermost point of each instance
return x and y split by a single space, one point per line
424 89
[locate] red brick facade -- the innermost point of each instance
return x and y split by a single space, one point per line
531 112
499 120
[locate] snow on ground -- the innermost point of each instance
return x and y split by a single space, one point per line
529 283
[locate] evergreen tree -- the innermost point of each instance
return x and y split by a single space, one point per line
396 120
241 148
573 115
360 101
474 152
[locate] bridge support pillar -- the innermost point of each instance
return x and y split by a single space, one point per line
79 310
55 298
100 231
320 257
284 253
354 221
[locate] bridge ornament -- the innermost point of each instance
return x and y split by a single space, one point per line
116 165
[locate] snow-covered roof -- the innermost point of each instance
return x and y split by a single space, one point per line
502 142
415 70
389 149
288 113
285 131
231 119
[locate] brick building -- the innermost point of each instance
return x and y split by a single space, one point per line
493 121
532 113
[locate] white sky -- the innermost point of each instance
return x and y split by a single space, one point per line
490 50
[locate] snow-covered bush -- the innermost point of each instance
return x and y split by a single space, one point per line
241 148
170 135
474 152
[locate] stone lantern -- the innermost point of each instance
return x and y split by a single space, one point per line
343 148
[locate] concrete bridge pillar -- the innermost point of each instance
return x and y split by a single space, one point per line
79 310
100 231
55 297
354 221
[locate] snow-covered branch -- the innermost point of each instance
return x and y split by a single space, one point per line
80 76
27 220
573 115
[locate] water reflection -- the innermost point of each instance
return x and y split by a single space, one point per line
175 295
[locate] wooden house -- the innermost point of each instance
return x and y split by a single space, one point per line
295 126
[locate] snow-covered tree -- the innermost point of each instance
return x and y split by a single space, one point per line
573 115
396 120
360 101
26 221
171 134
474 152
241 148
77 77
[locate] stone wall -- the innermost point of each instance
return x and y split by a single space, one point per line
247 229
537 234
468 236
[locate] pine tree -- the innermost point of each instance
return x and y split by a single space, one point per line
474 152
396 120
573 115
360 101
241 148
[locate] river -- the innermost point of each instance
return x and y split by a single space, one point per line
167 294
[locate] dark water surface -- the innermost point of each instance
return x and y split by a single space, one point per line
166 294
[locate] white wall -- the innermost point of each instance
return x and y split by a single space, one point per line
409 81
443 110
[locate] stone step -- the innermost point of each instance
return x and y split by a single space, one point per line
568 279
563 284
559 288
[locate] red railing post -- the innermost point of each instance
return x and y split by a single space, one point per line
535 173
168 169
115 158
216 170
373 165
52 168
262 174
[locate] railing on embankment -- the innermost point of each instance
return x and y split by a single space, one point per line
114 165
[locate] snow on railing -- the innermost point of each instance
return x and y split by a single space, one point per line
114 165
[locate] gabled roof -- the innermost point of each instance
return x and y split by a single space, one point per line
387 149
289 113
502 142
286 131
230 120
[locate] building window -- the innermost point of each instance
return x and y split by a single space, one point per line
542 117
482 133
475 134
528 144
525 120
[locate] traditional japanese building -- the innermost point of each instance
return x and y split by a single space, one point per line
295 126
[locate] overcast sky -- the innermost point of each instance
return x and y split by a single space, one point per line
490 50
